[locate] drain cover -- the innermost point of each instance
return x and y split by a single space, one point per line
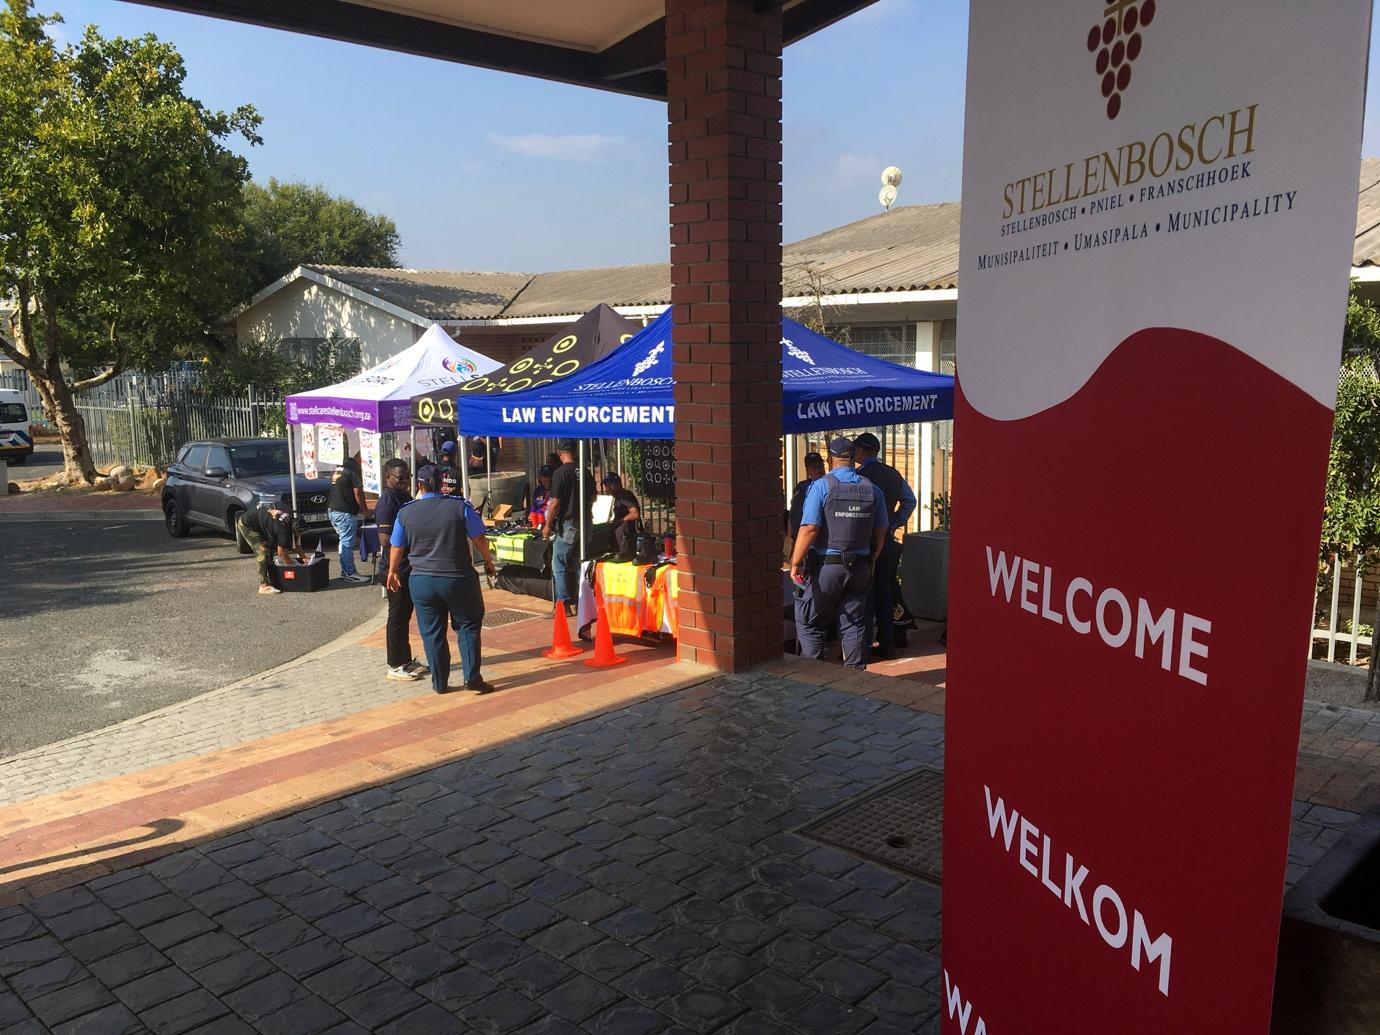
505 616
899 825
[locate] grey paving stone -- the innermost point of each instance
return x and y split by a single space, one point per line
423 911
553 1025
899 1003
58 902
154 988
308 1015
702 1009
493 952
85 919
500 1012
420 965
857 941
455 932
129 965
233 972
47 975
844 979
607 960
457 988
535 974
150 911
565 939
632 924
108 1020
428 1018
350 922
302 961
380 1004
653 983
772 994
342 979
265 996
204 949
579 998
385 942
723 969
79 997
825 1015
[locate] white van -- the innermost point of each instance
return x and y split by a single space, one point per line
16 444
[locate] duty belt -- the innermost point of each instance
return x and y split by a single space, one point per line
846 559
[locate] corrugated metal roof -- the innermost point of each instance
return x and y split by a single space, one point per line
1367 249
572 292
436 294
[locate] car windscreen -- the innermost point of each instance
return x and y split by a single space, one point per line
253 459
13 413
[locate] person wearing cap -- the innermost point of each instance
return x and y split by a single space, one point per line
900 505
541 495
814 470
627 515
402 666
565 519
433 534
842 528
266 530
449 474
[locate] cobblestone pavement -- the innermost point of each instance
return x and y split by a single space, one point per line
634 872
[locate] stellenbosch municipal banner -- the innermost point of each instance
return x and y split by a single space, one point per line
1159 201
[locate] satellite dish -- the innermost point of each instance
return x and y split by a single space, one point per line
891 176
887 196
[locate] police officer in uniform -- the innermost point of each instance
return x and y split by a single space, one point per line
434 533
842 529
900 504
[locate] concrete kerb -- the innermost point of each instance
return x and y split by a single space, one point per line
342 642
139 514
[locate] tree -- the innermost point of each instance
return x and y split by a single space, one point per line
288 224
1351 515
119 210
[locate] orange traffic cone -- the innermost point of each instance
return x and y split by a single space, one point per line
604 656
561 647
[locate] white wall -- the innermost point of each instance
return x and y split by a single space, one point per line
305 309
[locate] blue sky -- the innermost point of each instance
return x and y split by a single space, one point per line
482 170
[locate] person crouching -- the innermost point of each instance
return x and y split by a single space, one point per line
266 529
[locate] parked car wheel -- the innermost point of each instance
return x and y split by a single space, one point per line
234 519
175 519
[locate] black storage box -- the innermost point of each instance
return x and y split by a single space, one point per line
301 578
532 582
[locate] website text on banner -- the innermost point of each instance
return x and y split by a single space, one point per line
1158 210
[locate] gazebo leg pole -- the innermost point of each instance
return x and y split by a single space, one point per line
292 483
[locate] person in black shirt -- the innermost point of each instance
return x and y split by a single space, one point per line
814 469
267 531
402 665
627 516
344 507
900 504
447 472
565 518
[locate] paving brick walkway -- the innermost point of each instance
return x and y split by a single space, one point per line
585 852
633 872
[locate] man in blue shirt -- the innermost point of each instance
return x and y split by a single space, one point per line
433 533
842 528
900 505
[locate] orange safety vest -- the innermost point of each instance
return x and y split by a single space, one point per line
622 591
661 610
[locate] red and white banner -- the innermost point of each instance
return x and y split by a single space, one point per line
1159 204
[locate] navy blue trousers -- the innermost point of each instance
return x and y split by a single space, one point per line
439 599
832 591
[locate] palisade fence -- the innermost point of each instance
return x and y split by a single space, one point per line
142 419
1343 613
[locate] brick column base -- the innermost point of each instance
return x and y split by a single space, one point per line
723 66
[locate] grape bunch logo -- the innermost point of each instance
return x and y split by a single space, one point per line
650 361
459 365
1116 42
795 350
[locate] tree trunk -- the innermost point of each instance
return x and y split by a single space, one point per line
1373 670
76 453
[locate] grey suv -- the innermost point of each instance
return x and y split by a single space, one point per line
212 481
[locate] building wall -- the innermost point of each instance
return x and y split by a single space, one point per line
308 312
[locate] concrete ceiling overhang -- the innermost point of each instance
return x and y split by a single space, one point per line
617 45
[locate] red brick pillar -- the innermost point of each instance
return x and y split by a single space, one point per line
723 70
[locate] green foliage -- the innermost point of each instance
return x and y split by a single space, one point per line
119 207
263 363
288 224
1351 515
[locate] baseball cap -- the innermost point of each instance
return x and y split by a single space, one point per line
868 441
427 474
612 479
840 447
567 446
448 446
545 471
813 458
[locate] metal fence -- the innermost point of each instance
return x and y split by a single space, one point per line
142 419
